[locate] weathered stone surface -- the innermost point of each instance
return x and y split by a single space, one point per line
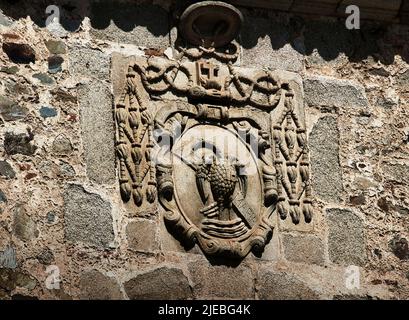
55 64
48 112
62 145
303 248
141 235
358 200
161 283
12 278
98 131
140 24
87 217
96 286
4 20
24 227
325 166
10 110
51 217
3 197
274 285
9 70
19 143
19 52
46 256
7 279
221 282
396 172
6 170
44 78
272 49
8 258
66 170
346 238
88 63
403 79
400 247
330 92
55 46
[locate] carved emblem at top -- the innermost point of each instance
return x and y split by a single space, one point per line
221 148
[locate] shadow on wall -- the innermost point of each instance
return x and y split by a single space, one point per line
328 37
125 15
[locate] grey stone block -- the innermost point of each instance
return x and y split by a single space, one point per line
10 110
97 126
24 228
6 170
336 93
97 286
88 63
141 235
325 166
62 145
8 258
303 248
87 217
162 283
222 282
274 285
346 238
396 172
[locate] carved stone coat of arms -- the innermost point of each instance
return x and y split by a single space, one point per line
220 147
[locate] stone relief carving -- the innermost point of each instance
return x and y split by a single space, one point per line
222 148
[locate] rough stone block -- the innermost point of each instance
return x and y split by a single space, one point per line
331 92
8 258
325 166
98 135
24 227
10 110
88 217
303 248
222 282
346 238
88 63
97 286
396 172
6 170
20 143
141 235
274 285
162 283
62 145
140 24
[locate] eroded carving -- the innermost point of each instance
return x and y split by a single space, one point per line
221 147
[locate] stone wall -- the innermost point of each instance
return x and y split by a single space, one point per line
59 193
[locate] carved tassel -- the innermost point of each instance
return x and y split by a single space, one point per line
307 210
304 171
136 153
126 190
151 192
282 208
137 195
295 212
270 187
